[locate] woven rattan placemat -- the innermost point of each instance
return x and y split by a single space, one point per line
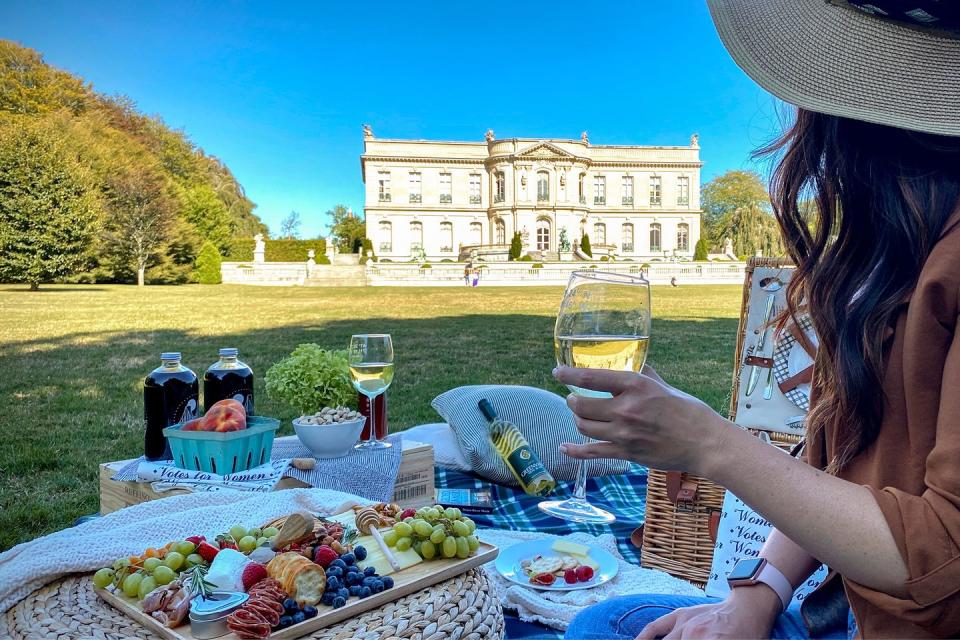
461 608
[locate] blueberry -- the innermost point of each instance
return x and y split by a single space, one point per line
355 590
343 592
354 569
339 563
290 605
298 617
285 621
309 612
353 578
327 598
339 602
360 552
368 582
333 583
377 586
334 571
387 582
349 558
370 571
365 592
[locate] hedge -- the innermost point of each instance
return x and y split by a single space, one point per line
241 250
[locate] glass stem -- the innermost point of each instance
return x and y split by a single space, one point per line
373 419
580 486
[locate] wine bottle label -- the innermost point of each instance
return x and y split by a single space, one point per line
526 463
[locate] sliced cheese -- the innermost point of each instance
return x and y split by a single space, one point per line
378 560
565 546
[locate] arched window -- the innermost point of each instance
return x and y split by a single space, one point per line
543 234
683 237
386 236
476 233
500 186
600 233
416 237
626 234
543 186
446 237
655 237
500 232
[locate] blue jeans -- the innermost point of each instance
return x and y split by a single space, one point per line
627 616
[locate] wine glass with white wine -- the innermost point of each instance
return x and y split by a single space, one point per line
371 371
603 323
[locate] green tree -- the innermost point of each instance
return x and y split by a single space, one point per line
585 245
516 246
752 230
30 86
700 251
208 264
48 213
725 194
349 229
209 216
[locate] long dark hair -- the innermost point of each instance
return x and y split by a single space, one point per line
860 207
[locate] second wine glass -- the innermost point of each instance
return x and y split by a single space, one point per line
371 371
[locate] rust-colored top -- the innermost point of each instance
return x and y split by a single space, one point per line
913 468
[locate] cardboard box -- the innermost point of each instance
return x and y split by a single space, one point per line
414 486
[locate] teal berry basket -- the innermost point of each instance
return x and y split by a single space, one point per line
226 452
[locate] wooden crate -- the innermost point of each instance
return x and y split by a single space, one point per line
414 486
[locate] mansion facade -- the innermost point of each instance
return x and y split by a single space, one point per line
439 200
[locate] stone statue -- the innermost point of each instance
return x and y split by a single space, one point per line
259 248
489 137
367 131
695 140
525 236
728 246
585 137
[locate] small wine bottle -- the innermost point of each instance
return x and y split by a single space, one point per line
513 448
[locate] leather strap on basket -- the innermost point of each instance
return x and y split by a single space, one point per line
682 492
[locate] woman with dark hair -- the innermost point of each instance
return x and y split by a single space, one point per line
876 144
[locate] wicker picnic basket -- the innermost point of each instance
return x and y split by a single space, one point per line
683 510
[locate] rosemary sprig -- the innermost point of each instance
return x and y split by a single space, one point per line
197 581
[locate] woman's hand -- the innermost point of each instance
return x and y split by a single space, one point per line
646 420
748 612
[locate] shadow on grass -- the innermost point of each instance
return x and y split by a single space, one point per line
74 401
27 289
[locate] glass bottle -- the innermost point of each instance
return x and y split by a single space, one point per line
228 378
171 395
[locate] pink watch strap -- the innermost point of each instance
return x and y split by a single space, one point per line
771 576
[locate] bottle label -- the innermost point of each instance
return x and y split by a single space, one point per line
526 463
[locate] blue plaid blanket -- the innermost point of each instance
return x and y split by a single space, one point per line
623 495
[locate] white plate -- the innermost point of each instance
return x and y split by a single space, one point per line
508 564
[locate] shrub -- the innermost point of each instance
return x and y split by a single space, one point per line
426 265
536 265
367 245
208 264
605 259
241 250
312 378
516 246
446 260
700 251
645 266
585 245
526 258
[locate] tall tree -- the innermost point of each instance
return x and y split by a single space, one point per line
753 231
48 213
349 229
290 226
725 194
206 212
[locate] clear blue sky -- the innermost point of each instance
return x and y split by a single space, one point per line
279 90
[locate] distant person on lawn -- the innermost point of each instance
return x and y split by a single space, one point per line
466 275
875 146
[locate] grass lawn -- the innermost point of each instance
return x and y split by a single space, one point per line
72 360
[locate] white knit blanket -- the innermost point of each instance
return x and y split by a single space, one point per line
97 543
557 608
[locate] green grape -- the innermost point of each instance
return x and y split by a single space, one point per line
121 564
452 513
246 544
433 514
438 507
131 584
256 532
194 559
174 560
103 578
164 574
151 563
238 531
185 547
463 547
404 543
460 528
428 550
471 525
417 546
473 542
147 585
390 537
449 547
270 532
422 528
262 541
403 529
438 534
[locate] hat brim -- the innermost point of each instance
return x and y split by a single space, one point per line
843 62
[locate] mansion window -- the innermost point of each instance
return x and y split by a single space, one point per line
600 233
446 237
582 188
683 237
656 191
543 186
386 237
599 190
416 186
500 182
500 232
476 233
474 188
683 191
655 237
383 186
543 235
626 234
446 188
626 189
416 237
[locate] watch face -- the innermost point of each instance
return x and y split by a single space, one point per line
745 569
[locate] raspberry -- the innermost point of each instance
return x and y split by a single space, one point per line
570 576
324 556
545 579
253 573
585 573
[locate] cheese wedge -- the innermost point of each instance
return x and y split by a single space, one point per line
565 546
376 558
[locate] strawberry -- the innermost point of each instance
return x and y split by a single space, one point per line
545 579
207 551
584 573
195 539
570 576
324 556
253 573
226 541
408 513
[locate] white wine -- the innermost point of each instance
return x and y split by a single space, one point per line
516 453
618 353
371 378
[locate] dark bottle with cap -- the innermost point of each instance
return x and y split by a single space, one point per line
171 395
228 378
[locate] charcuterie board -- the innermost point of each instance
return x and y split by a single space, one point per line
406 581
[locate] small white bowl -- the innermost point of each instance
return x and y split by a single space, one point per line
329 440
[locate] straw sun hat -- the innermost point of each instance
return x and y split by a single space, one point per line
890 62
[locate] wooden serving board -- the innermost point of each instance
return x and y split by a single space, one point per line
406 581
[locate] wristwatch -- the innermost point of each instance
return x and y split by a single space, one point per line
750 571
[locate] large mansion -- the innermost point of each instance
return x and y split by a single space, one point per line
439 200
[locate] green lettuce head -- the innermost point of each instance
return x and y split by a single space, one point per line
312 378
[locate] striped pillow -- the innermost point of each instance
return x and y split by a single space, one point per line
542 417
